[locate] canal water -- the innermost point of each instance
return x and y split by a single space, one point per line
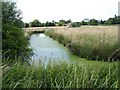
47 49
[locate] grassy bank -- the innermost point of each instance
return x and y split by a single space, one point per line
60 75
91 42
86 74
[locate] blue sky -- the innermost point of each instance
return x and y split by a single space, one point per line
76 10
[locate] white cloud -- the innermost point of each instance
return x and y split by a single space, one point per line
64 9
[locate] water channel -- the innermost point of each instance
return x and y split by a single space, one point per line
47 49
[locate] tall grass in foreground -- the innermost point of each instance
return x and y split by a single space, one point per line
60 75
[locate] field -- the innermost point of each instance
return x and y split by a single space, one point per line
91 42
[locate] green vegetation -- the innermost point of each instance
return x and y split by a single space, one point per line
111 21
11 15
86 45
14 43
16 73
36 23
26 25
75 24
60 75
49 24
93 22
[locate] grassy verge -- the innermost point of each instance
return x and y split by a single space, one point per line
99 43
60 75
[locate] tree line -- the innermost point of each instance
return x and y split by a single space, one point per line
111 21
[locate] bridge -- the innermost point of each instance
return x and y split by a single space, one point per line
40 29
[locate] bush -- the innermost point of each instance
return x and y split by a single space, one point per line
26 25
35 23
76 24
14 43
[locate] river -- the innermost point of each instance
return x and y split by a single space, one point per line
47 49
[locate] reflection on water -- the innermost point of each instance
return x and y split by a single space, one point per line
47 49
41 35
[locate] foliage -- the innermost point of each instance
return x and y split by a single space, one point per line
112 21
60 75
10 14
84 23
26 25
76 24
49 24
87 46
93 22
35 23
61 23
14 43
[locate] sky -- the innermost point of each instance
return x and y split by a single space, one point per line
76 10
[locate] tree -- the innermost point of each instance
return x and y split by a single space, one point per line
14 43
35 23
49 24
76 24
102 22
11 14
61 23
118 20
93 22
68 21
26 25
84 23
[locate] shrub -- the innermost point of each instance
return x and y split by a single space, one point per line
14 43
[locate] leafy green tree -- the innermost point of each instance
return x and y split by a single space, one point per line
76 24
42 25
118 20
11 14
49 24
26 25
93 22
68 21
14 43
110 21
61 23
35 23
102 22
84 23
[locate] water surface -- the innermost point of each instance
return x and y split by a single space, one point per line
47 49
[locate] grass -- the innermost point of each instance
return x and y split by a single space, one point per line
91 42
60 75
88 42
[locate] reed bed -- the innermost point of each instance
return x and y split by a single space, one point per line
60 75
91 42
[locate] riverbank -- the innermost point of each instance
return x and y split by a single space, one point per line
90 42
85 74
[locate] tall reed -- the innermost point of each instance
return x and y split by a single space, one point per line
60 75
